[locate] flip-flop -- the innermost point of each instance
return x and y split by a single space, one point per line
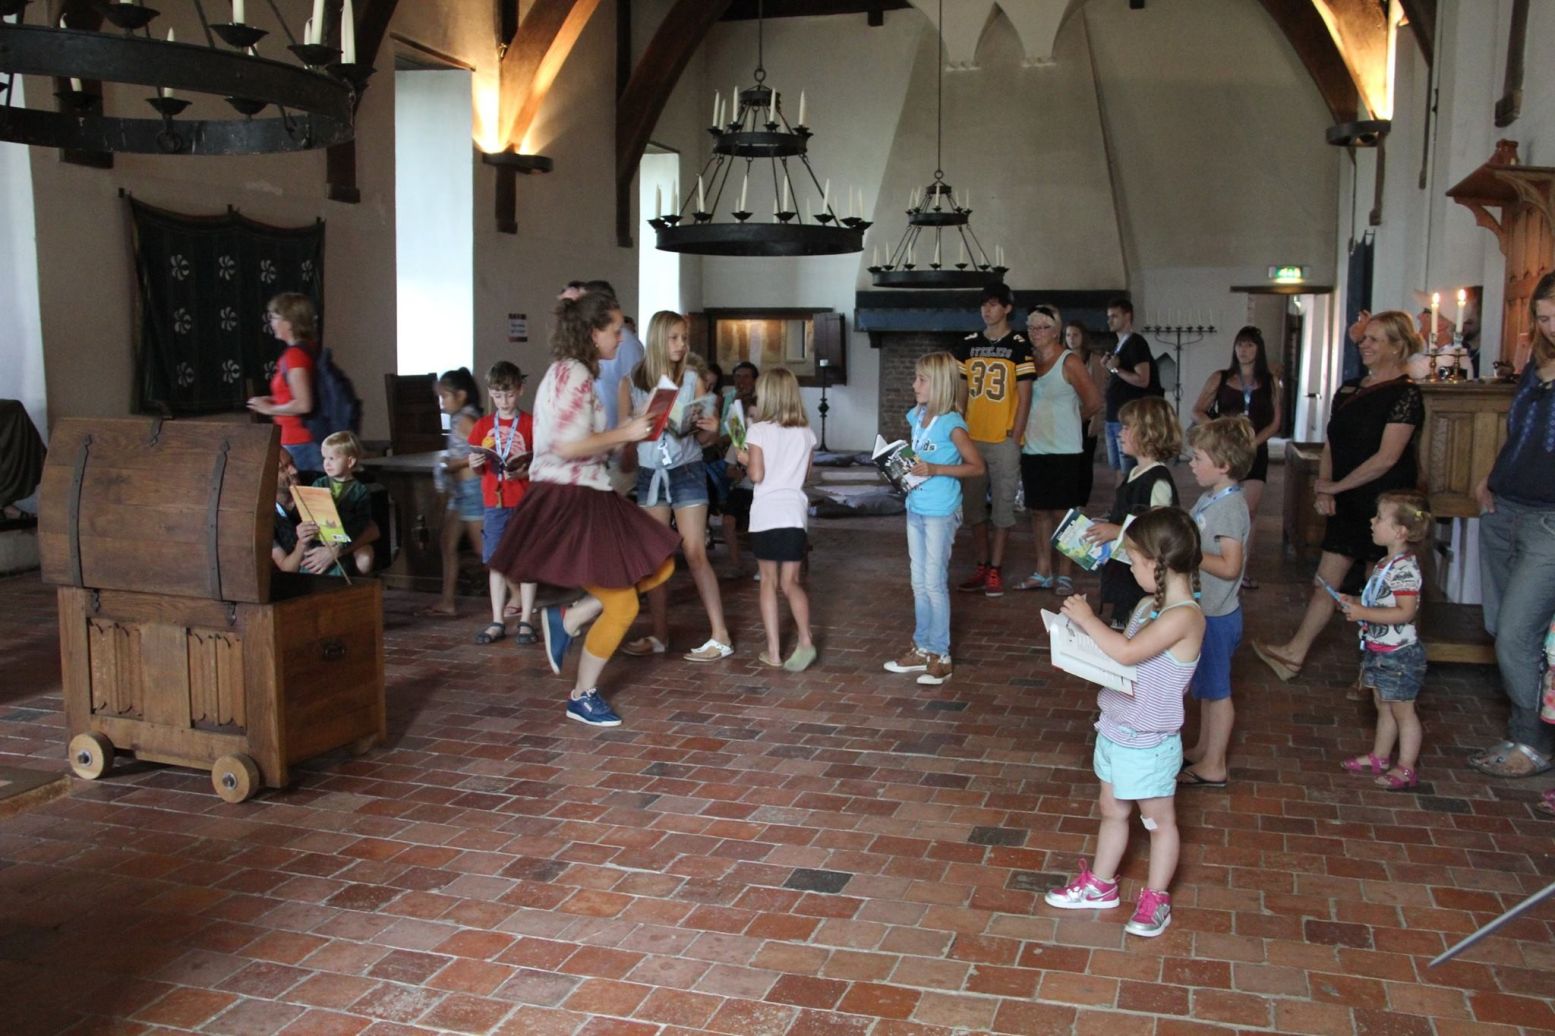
1496 765
1284 669
486 636
1191 779
1034 582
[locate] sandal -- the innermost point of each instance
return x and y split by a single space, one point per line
1283 668
1546 803
525 634
768 661
1065 586
1035 581
493 632
1400 778
1377 765
1485 753
436 611
644 646
1512 763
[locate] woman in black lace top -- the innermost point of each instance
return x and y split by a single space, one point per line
1372 426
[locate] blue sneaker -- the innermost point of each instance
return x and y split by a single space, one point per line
591 709
557 639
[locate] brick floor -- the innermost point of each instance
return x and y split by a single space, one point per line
755 852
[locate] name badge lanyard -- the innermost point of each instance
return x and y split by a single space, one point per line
503 446
1247 401
1204 505
920 439
1375 584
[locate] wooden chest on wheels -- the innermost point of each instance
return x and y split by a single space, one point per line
179 642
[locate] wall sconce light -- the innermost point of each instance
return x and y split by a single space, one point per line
1366 133
508 165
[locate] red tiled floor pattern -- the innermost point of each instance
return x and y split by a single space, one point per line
837 852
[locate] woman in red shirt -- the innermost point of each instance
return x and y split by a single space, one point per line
295 322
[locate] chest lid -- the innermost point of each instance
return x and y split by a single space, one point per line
177 507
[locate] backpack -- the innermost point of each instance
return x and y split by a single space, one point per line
336 406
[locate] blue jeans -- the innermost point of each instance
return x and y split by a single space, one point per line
928 547
1117 460
1517 577
307 456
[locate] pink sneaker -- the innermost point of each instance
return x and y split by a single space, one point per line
1152 914
1085 892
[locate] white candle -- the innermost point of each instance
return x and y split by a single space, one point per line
658 201
967 200
75 84
717 100
807 217
963 251
936 251
910 250
307 32
909 197
875 256
674 189
347 34
801 108
1436 301
701 201
772 106
734 104
1463 298
238 12
826 196
744 186
318 21
785 192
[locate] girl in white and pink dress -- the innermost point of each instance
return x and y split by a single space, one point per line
572 529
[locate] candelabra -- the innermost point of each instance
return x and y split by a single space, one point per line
1449 363
1177 336
824 407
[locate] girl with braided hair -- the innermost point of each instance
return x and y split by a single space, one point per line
1139 737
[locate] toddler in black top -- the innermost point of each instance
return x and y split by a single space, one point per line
1153 437
342 453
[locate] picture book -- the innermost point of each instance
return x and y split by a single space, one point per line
1074 652
683 417
1071 542
495 462
895 461
734 424
316 505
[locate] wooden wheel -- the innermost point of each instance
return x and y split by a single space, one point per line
235 777
91 755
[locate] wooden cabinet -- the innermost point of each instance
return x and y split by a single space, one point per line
179 642
1302 524
1465 426
419 514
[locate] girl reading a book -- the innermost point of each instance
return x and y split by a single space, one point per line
1138 739
777 454
672 478
944 456
571 528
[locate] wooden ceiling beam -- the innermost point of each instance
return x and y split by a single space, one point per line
1422 23
547 35
1309 37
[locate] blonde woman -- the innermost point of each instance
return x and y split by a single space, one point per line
777 455
672 479
946 455
1372 427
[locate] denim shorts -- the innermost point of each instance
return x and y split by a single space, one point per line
1138 773
494 523
1212 678
1395 675
464 499
685 486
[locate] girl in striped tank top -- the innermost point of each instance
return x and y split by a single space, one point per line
1138 739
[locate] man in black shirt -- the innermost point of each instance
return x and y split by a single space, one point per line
1134 375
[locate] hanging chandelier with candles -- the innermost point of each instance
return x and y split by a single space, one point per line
758 129
313 101
923 258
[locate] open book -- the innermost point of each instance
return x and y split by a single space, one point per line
495 462
670 415
895 461
316 505
1075 652
734 424
1070 540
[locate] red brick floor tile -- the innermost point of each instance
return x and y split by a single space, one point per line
491 855
254 1018
326 1023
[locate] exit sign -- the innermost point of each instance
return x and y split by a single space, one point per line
1287 274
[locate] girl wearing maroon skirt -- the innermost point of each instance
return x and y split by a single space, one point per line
572 529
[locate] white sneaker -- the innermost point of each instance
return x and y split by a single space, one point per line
712 651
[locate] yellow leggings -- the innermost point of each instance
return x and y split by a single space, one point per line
620 611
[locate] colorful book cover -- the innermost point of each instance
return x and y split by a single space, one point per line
316 505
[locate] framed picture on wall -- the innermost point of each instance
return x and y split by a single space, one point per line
799 339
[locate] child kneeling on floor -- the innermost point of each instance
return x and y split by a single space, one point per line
1139 737
1392 657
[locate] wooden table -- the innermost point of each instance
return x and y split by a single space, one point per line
418 519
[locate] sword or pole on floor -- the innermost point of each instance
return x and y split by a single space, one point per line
1521 908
